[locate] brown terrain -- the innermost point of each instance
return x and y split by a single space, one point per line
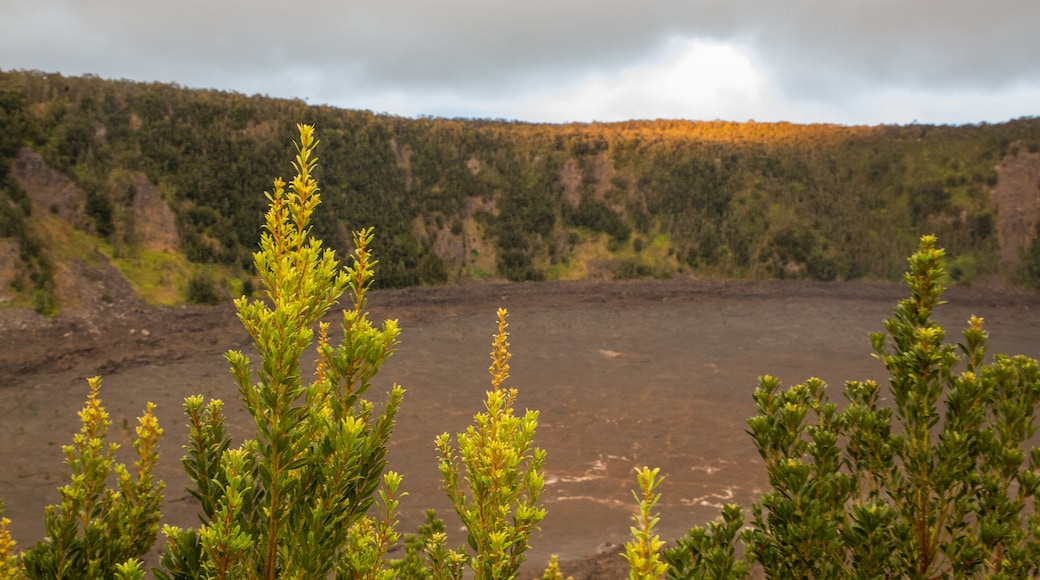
623 374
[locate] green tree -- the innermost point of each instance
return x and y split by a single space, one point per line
292 501
959 477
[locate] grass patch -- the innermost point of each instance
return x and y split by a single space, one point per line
65 242
596 254
477 273
156 277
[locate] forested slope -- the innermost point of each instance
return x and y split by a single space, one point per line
165 183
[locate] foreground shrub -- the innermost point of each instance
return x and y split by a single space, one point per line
97 531
949 489
643 551
502 474
292 501
9 567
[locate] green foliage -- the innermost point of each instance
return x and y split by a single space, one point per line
796 528
552 571
963 269
414 564
34 265
14 125
960 479
942 483
99 207
597 216
292 502
44 300
98 532
643 551
201 290
709 553
369 541
629 270
736 200
9 567
502 472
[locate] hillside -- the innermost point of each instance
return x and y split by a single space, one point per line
163 186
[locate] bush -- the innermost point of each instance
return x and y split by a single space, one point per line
597 216
294 500
100 208
201 290
947 490
629 270
97 532
495 477
643 551
1030 269
964 269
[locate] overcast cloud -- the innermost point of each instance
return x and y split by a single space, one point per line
842 61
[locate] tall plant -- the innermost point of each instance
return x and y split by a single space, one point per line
643 551
291 502
946 489
958 472
494 479
10 569
96 531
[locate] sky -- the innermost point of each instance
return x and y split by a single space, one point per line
803 61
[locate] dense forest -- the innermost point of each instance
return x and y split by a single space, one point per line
454 199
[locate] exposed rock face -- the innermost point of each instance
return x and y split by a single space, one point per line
153 222
50 190
155 226
571 178
1017 196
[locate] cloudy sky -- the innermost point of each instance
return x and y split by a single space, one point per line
838 61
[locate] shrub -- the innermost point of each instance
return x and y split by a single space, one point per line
413 566
947 490
963 269
629 270
293 501
98 532
1029 272
502 471
201 290
643 551
597 216
101 210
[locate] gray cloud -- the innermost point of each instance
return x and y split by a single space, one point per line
930 45
425 51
